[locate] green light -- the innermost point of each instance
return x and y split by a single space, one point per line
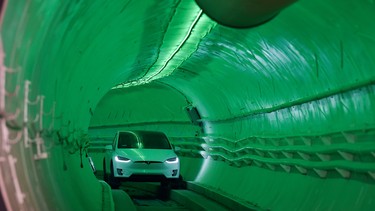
167 62
156 73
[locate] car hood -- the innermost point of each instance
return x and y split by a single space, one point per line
146 154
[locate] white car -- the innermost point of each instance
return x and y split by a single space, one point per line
140 156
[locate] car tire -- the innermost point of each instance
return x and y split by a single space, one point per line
112 180
105 176
164 190
166 183
178 183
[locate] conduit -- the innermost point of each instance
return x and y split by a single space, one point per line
286 108
242 13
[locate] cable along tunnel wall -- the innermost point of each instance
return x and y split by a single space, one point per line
287 108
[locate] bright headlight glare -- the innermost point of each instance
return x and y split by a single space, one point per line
122 159
172 160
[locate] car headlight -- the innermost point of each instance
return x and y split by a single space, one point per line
172 160
122 159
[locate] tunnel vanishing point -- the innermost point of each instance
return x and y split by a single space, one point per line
271 102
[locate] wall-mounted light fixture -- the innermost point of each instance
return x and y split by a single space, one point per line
193 115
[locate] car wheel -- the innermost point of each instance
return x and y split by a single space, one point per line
165 183
105 176
112 180
164 190
178 183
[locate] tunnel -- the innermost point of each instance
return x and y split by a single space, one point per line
279 114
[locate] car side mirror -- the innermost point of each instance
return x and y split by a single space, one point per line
176 149
108 147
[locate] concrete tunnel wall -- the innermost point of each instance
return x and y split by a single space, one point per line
287 108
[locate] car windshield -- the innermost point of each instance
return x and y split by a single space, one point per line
146 140
127 140
154 141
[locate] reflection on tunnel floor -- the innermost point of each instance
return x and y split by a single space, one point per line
148 196
153 198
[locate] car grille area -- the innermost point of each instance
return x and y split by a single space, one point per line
148 165
147 162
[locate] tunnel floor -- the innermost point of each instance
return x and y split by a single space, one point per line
150 200
150 196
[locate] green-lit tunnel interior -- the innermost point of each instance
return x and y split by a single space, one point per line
286 109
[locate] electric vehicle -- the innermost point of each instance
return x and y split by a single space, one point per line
140 156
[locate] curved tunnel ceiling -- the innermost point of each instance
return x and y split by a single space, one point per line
286 108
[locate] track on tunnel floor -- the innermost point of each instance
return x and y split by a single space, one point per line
151 196
147 196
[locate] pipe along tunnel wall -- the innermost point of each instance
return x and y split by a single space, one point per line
287 108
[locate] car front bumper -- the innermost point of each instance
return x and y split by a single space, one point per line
146 169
